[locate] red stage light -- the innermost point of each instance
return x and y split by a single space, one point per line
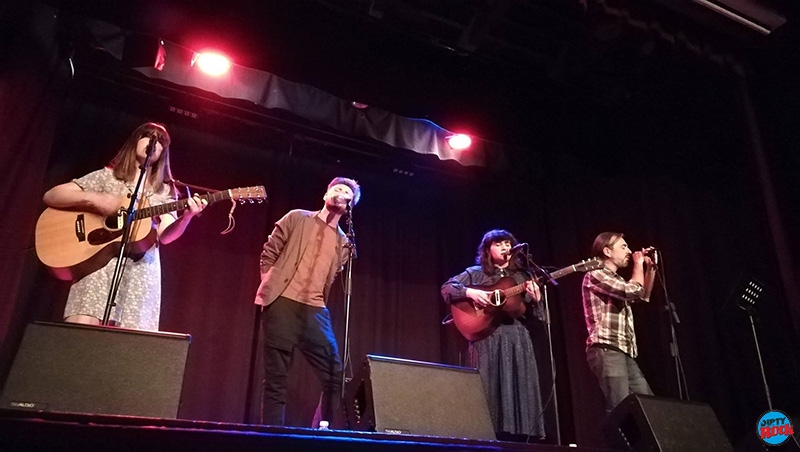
459 141
211 63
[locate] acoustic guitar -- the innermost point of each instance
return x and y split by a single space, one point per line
507 301
73 244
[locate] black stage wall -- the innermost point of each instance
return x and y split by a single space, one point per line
416 231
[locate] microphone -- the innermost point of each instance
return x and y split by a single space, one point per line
339 199
515 249
151 145
652 252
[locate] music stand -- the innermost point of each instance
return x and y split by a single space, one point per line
748 296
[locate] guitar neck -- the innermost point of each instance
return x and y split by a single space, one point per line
563 272
180 204
519 288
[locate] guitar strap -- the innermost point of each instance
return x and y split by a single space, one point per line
231 220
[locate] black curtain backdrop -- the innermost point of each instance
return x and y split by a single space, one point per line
414 232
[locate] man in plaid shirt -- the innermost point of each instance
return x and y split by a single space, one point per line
607 298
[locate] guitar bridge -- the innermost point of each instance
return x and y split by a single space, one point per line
80 228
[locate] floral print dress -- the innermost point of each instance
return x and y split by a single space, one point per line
138 301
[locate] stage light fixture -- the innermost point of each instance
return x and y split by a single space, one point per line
211 63
459 141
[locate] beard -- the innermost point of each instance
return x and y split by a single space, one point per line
339 209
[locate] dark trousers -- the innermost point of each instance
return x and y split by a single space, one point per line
617 373
287 324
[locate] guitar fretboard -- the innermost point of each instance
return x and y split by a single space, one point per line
180 204
519 288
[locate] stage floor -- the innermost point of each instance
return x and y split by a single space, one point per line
46 431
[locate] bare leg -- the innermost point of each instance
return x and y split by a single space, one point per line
84 319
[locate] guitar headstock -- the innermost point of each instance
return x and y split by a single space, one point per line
256 193
588 265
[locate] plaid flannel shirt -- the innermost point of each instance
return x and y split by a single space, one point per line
607 299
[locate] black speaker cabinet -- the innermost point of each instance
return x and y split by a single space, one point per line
97 370
647 423
411 397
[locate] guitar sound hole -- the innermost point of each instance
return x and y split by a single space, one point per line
497 298
113 222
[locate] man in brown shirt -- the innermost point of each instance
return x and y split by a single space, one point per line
299 263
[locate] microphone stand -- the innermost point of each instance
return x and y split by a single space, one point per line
348 291
683 390
119 269
548 328
673 348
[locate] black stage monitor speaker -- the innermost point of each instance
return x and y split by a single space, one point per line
97 370
411 397
647 423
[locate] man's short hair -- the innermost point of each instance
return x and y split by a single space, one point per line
605 239
350 183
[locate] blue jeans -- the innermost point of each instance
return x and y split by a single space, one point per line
617 373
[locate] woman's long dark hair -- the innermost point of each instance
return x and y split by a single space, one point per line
484 257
